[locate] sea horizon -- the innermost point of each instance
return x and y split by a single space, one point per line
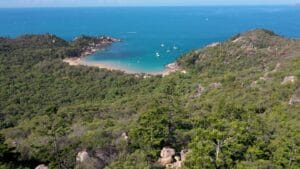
158 6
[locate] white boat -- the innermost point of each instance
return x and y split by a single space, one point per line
168 51
162 45
175 47
157 54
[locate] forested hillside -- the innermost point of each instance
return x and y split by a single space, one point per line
237 106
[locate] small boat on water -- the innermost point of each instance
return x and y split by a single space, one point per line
175 47
162 45
168 51
157 54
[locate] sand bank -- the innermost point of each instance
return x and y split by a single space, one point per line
170 68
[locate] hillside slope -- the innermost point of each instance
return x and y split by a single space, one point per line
237 106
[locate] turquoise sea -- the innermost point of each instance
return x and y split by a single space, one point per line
151 36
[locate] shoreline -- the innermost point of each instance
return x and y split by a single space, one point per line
99 43
79 61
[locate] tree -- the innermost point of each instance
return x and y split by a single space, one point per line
151 131
226 139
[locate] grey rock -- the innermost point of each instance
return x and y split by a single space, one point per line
41 166
295 98
82 156
289 80
166 155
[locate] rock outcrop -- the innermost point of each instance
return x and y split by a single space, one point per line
166 155
295 98
216 85
89 45
42 166
176 165
169 160
86 161
171 68
289 80
82 156
124 136
213 44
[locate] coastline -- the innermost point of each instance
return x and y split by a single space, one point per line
97 44
80 61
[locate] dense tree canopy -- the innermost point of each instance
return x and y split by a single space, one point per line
232 109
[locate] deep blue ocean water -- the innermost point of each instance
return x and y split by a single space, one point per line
151 36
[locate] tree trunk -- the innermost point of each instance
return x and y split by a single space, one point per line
218 147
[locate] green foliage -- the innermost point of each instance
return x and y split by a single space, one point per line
225 140
137 159
152 131
3 147
49 111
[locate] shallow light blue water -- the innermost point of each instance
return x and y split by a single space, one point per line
143 30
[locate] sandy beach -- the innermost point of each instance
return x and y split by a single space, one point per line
81 61
76 61
99 44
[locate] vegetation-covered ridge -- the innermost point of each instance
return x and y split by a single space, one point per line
81 46
237 106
